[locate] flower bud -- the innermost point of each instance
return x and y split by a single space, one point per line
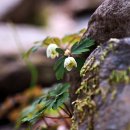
69 63
51 51
67 52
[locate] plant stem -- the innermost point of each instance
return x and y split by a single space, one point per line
55 117
66 122
66 111
46 122
70 114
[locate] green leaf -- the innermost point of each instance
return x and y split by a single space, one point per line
61 88
78 52
47 41
60 51
57 96
50 103
82 46
80 63
58 63
71 39
50 40
31 50
35 48
82 31
60 100
53 100
56 40
59 68
60 72
65 87
28 114
56 90
68 38
74 46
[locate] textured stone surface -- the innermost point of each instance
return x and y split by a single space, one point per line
103 97
110 20
103 101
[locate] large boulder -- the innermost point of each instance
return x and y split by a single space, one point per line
105 23
110 20
103 101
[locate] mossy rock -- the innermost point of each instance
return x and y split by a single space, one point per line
103 101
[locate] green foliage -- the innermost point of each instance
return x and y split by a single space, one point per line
60 51
31 50
57 97
82 46
59 68
82 31
69 39
40 44
51 102
80 62
77 49
50 40
73 38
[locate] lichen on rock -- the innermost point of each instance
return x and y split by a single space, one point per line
104 88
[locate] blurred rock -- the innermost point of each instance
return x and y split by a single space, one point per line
77 5
15 74
36 11
9 127
103 97
22 11
7 5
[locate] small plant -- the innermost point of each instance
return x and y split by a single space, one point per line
67 60
54 100
67 51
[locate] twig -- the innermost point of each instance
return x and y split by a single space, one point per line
55 117
46 122
66 122
68 109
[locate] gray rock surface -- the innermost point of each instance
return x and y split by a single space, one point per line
103 97
110 20
103 101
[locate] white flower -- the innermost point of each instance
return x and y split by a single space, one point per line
115 40
51 51
70 63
